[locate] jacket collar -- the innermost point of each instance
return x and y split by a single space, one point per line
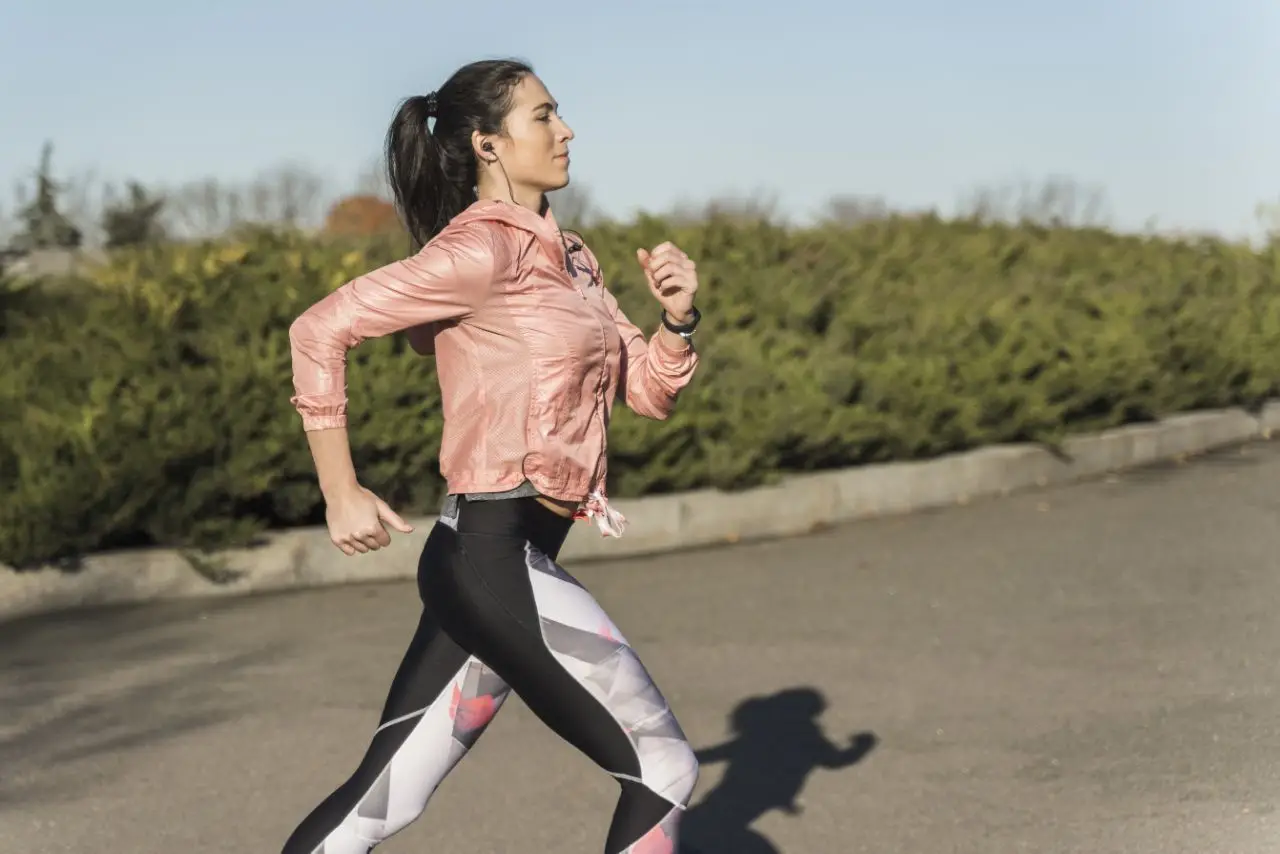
545 227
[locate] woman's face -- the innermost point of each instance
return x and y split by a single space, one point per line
534 150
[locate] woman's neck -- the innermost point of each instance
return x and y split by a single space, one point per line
533 200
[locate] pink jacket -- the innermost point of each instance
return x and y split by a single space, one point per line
530 357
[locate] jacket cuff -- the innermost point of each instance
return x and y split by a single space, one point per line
323 421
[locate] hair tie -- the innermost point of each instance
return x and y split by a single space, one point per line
433 104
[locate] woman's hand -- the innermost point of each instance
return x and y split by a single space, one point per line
357 521
672 279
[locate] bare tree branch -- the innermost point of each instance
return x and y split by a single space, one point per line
853 209
760 206
288 195
1059 201
372 180
573 206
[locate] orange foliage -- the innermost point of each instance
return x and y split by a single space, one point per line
361 216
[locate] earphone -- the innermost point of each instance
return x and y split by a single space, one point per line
493 158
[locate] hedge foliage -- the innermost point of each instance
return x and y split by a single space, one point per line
149 401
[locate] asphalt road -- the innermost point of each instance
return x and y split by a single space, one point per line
1092 668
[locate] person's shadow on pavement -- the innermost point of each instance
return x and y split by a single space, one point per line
778 744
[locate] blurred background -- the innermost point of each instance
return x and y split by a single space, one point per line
922 227
1145 115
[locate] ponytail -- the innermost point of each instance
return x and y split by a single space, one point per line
432 171
414 170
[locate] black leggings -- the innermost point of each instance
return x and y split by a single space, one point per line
500 615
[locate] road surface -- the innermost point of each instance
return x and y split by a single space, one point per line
1092 668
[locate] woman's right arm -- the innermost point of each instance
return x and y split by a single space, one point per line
448 279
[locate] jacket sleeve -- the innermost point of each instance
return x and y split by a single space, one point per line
653 373
447 280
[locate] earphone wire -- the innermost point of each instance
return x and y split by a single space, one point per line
511 193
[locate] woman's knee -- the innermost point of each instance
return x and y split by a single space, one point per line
678 776
690 780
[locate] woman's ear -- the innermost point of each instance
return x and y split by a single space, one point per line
483 148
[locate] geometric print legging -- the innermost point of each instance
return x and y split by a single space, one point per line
500 615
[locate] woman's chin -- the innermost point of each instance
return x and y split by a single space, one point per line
558 182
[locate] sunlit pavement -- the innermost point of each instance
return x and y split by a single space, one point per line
1085 669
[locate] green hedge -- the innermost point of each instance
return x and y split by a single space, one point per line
149 402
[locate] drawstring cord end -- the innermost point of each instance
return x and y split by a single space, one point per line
607 518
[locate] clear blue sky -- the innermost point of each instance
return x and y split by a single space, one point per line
1172 106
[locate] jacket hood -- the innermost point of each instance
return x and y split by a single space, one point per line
545 228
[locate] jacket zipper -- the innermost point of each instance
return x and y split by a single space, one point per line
597 413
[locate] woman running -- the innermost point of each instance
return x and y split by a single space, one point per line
531 352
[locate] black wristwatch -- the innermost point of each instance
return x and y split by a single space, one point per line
687 330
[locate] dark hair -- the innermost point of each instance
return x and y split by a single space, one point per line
432 171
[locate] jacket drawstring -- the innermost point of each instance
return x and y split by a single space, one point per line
607 518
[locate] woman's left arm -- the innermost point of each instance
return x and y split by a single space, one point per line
655 371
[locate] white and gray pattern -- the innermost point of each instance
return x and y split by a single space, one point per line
441 736
589 646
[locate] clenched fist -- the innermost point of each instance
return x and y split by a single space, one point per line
357 521
672 278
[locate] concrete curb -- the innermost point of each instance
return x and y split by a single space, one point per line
304 557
